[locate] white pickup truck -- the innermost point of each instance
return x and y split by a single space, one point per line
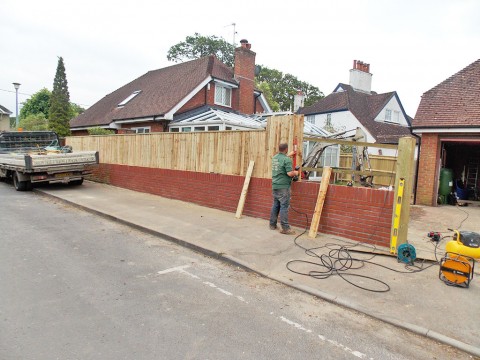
29 157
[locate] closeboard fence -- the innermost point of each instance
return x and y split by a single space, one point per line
208 168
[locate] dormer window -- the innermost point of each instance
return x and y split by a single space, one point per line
223 95
130 97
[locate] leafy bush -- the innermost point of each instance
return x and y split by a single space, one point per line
34 122
99 131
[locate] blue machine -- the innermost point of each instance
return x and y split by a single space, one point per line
406 254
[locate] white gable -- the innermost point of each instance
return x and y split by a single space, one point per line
392 113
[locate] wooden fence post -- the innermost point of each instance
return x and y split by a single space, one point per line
322 193
243 195
406 170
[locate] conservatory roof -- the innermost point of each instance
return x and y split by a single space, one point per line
210 116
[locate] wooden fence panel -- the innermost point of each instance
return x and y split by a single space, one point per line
223 152
380 163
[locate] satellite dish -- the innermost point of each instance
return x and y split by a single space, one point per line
258 68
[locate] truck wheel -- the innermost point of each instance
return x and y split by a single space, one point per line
76 182
21 185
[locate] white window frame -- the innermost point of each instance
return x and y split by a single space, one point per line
388 115
396 116
206 127
311 119
330 156
328 121
223 95
142 129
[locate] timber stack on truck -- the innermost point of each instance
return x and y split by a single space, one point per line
29 157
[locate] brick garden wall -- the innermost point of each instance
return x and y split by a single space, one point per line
360 214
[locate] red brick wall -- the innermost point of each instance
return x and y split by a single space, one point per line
355 213
154 126
196 101
427 170
258 107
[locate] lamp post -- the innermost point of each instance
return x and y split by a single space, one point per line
16 85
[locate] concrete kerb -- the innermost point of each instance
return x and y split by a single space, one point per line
306 289
419 330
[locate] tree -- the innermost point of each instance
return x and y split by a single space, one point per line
39 103
75 110
34 122
285 86
197 46
60 110
282 87
264 87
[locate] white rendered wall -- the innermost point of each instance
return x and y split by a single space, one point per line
345 120
394 106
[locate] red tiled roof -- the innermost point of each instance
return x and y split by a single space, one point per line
365 107
454 102
160 90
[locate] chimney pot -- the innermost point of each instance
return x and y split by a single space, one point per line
244 43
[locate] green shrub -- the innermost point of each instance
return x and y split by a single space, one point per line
99 131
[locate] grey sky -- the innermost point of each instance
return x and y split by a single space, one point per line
411 45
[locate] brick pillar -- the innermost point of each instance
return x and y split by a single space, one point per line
428 170
244 70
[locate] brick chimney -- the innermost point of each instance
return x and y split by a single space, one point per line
244 72
360 77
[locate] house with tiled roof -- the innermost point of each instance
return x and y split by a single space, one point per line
155 100
4 118
380 116
448 122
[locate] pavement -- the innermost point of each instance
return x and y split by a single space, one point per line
415 301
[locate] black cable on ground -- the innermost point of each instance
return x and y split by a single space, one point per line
339 261
466 217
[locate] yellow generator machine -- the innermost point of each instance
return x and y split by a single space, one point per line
457 266
456 269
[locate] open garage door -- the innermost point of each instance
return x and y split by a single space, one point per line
462 156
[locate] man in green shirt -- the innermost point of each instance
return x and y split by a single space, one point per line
282 174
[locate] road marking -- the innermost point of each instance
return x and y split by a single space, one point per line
219 289
177 268
298 326
346 348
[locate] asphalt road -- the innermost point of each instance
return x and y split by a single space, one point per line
77 286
